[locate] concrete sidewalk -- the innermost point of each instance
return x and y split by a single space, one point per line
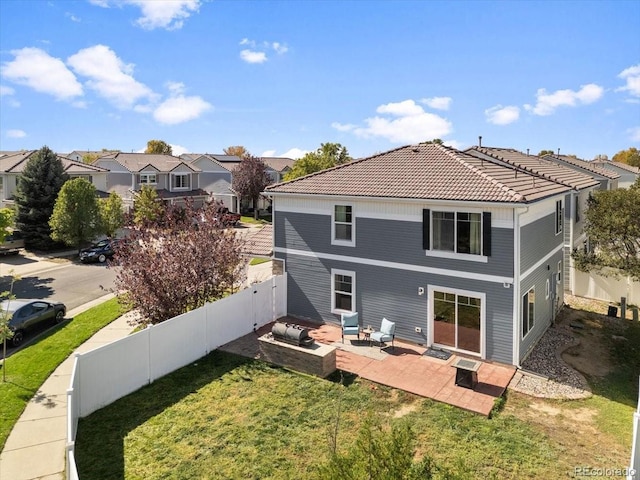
36 446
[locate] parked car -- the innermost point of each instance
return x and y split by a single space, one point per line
13 242
26 314
99 252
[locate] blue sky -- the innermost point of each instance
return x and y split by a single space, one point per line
280 78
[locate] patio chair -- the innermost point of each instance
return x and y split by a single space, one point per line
386 333
350 324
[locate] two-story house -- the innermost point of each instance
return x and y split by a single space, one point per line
12 166
628 173
173 178
572 205
608 179
463 253
215 178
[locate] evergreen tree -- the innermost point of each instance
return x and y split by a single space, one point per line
36 194
147 207
76 215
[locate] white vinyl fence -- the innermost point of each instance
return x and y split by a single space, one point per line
108 373
608 289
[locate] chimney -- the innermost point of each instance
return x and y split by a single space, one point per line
527 152
558 151
480 141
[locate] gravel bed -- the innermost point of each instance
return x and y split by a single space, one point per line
552 378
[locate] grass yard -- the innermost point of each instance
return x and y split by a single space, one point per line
229 417
27 369
258 261
263 220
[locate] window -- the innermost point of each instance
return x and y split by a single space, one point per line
343 231
577 209
558 217
147 179
180 181
547 290
528 311
342 288
458 232
559 274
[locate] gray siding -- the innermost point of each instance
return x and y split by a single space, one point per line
392 293
545 309
386 240
215 182
537 240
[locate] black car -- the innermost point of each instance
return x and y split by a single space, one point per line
25 314
99 252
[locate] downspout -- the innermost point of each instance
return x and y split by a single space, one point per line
517 212
572 276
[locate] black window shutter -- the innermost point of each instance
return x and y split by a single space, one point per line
426 222
486 234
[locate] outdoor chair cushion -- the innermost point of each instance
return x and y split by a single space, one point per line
386 332
350 324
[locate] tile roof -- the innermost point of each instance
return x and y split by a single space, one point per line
260 243
623 166
16 163
536 165
589 166
135 162
425 171
278 163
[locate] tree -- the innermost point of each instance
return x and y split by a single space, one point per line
7 218
147 207
169 269
546 152
159 147
612 226
76 215
36 194
436 141
630 157
379 454
238 151
249 179
111 214
90 158
327 156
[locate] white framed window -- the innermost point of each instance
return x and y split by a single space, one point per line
528 311
343 288
147 179
558 217
559 272
343 230
180 181
459 232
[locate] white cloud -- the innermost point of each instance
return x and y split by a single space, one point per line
411 125
347 127
500 115
634 134
37 69
109 76
175 87
178 150
100 3
167 14
16 133
246 41
279 48
294 153
548 102
632 76
439 103
251 56
72 17
4 90
180 109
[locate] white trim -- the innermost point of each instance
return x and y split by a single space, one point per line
337 271
457 256
467 293
547 289
559 272
516 286
541 261
343 243
522 334
172 177
399 266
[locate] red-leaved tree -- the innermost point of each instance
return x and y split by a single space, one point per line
249 179
184 260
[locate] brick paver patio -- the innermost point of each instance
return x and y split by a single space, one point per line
404 367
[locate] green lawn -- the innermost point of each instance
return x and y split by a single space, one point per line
261 221
230 417
258 261
27 369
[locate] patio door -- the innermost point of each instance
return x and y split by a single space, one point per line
457 320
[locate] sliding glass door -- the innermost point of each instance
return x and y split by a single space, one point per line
457 321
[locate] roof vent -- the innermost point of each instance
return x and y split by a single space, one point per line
558 151
527 152
480 141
